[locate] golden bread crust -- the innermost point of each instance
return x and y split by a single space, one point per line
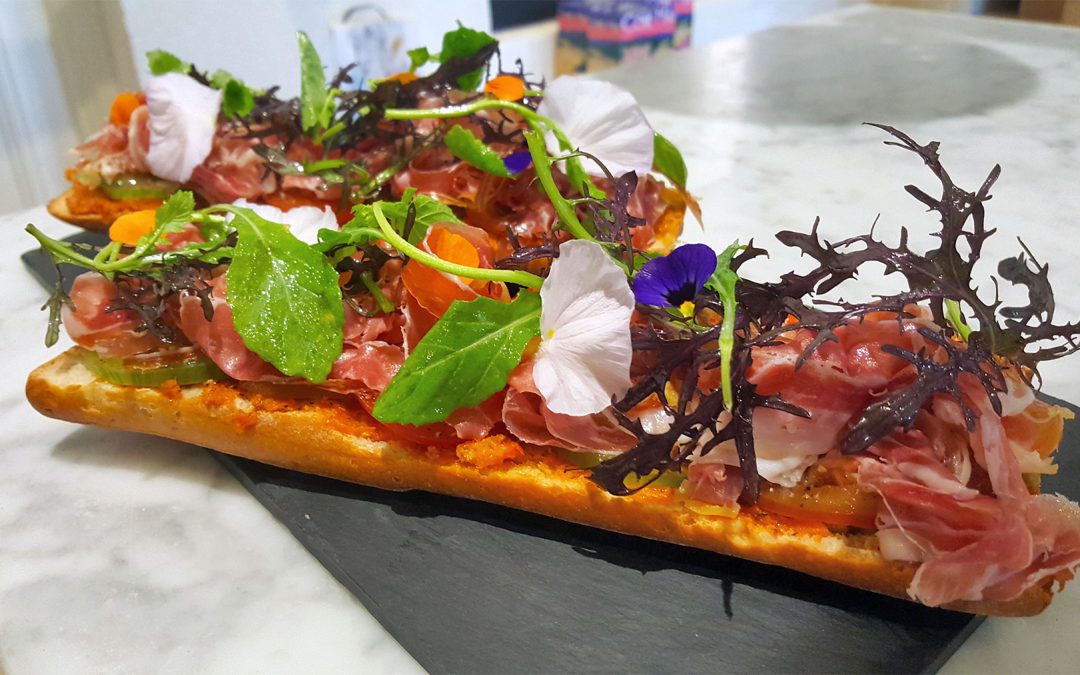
92 210
328 437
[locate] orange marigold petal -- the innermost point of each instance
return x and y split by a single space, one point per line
506 88
130 227
123 105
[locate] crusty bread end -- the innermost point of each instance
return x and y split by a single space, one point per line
92 210
330 437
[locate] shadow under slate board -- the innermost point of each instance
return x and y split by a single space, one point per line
471 587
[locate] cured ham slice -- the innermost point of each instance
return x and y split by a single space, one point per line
526 416
89 323
218 339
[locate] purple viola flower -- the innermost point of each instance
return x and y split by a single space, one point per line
517 162
676 278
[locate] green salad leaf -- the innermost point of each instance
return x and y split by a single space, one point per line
463 42
285 298
465 358
237 99
471 149
161 62
669 161
316 102
418 57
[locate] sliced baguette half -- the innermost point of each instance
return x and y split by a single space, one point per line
328 436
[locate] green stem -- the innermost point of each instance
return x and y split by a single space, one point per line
60 250
956 318
727 346
518 277
452 111
385 306
542 165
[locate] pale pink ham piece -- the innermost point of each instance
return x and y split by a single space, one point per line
973 546
109 334
232 171
526 416
218 338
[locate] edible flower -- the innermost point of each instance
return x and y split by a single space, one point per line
304 222
122 106
131 227
506 88
183 119
675 280
516 162
601 119
584 355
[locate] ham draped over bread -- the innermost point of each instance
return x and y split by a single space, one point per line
951 500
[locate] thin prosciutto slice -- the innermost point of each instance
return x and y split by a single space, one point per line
971 545
526 416
218 339
88 322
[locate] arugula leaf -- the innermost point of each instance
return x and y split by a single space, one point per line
238 99
472 150
428 212
418 57
462 43
669 161
316 103
161 62
465 358
285 298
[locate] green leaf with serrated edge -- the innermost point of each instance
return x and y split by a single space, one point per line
418 57
285 298
668 161
463 42
472 150
171 217
314 110
161 62
429 211
466 357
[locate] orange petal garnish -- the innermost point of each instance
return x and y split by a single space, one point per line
404 77
130 227
122 107
506 88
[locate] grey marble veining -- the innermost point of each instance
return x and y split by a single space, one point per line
120 553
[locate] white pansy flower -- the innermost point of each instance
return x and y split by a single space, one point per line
600 119
303 221
584 355
183 120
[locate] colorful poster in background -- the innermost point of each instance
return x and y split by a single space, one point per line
598 34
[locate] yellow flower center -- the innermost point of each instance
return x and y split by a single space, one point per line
687 308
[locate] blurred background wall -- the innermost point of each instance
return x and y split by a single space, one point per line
63 61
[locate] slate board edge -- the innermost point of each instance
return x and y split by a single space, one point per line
311 540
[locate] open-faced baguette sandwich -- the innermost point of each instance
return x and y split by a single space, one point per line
321 152
583 374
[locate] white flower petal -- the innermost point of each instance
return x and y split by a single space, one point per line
183 120
585 351
303 221
600 119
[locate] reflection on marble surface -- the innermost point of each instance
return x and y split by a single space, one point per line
784 77
123 553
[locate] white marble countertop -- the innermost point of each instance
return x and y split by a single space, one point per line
128 554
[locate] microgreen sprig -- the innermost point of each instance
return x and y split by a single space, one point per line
388 234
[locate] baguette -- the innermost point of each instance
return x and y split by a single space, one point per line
89 210
329 437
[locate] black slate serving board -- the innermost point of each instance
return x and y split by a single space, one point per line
471 587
